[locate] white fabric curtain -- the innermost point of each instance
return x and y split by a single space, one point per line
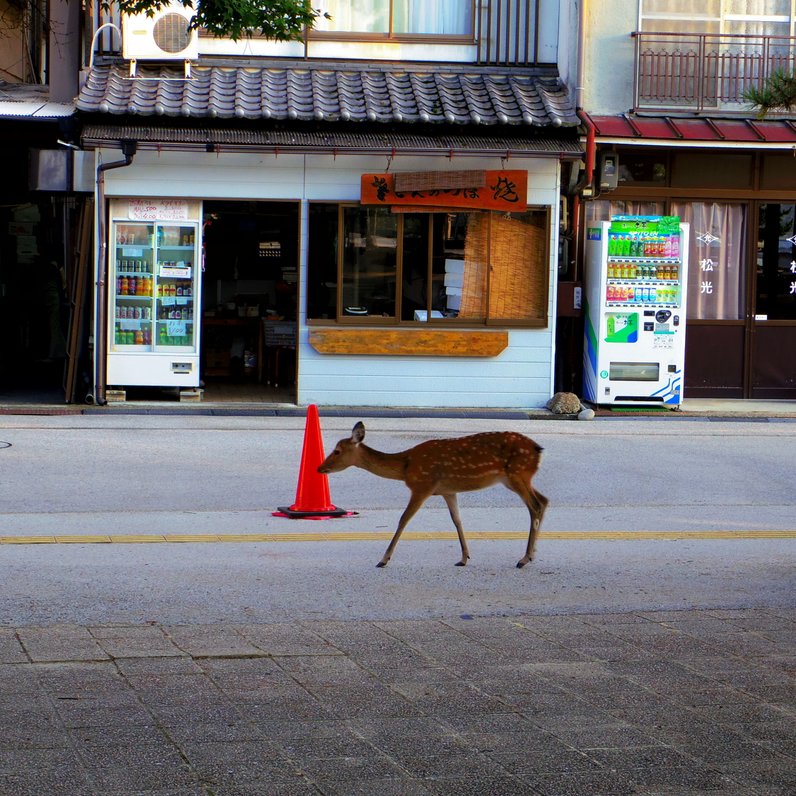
359 16
436 17
440 17
747 17
716 256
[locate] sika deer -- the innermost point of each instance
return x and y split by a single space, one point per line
449 466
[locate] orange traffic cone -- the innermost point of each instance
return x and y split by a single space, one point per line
312 493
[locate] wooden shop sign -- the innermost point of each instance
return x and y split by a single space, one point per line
503 190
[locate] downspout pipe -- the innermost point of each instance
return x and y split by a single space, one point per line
588 175
587 180
101 285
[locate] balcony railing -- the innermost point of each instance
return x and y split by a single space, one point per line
706 72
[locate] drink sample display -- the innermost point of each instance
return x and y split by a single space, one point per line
636 267
153 295
133 278
154 302
643 269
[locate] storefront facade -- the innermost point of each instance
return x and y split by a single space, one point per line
382 309
738 196
313 284
665 95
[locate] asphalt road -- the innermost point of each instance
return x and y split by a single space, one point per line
723 489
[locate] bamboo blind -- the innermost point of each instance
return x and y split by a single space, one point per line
514 250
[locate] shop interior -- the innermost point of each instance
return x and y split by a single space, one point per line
249 301
35 288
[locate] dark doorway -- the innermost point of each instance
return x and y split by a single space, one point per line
250 300
773 332
35 275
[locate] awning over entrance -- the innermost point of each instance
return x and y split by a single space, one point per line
772 133
230 139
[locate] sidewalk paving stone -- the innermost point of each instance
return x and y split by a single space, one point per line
683 705
11 650
61 643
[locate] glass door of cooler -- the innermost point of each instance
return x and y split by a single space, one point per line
176 287
132 287
644 271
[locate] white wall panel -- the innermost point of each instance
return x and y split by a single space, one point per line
521 376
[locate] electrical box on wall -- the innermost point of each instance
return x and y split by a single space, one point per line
609 171
569 299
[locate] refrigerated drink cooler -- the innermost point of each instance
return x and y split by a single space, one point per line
154 294
635 311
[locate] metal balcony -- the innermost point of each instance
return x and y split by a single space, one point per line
508 32
707 73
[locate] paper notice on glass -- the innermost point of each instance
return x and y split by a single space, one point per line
176 328
176 271
27 246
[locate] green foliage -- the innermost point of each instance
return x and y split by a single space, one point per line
281 20
778 93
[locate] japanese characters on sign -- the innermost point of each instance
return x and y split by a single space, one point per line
158 210
709 280
504 190
707 267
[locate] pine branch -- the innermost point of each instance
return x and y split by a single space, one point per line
777 93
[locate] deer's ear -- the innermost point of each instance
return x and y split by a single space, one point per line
358 434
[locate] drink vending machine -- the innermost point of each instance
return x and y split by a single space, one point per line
154 293
635 310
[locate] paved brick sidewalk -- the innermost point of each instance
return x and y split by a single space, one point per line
698 702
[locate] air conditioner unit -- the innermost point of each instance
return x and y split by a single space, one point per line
162 37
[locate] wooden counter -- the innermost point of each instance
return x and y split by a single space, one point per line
409 342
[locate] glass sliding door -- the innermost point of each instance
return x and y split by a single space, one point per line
717 298
773 338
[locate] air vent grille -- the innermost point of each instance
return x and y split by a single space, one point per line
171 33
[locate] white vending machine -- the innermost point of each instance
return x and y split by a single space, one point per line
154 284
635 311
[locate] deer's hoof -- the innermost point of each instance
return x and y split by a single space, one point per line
521 563
461 563
381 564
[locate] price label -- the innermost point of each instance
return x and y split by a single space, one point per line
176 328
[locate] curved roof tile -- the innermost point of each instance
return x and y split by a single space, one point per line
327 92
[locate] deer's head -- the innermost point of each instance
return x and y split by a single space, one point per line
345 452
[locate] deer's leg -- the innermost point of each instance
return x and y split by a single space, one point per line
536 523
536 503
415 502
453 508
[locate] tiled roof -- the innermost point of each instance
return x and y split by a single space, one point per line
338 92
225 138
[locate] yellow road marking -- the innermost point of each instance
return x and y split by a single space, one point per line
375 536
